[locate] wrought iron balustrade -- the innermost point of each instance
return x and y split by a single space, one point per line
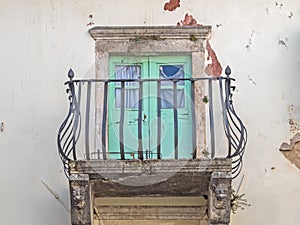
79 139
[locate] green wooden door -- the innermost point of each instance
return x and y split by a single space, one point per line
150 68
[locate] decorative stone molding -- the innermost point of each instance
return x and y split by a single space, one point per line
150 32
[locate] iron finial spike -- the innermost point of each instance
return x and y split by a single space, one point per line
227 71
71 74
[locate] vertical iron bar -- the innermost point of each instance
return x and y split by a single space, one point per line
175 119
121 128
76 112
227 105
87 121
211 118
224 112
140 114
158 120
104 121
193 118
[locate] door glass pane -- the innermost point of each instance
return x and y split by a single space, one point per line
128 72
171 72
131 98
167 99
131 93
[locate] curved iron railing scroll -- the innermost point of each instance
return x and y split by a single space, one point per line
235 130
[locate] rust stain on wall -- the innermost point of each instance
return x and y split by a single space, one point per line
214 68
172 5
189 20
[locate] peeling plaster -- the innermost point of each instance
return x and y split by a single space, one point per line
214 68
172 5
292 151
188 21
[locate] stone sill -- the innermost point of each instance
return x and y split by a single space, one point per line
150 166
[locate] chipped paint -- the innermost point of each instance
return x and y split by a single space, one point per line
2 127
251 80
283 42
279 5
172 5
250 41
267 11
91 18
214 68
294 124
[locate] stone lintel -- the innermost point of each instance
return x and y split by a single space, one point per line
137 33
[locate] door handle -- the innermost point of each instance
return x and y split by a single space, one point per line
144 118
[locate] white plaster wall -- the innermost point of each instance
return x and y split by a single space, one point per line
40 40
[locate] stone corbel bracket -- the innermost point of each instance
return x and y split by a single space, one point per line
219 205
80 199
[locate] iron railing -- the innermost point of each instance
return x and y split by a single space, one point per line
78 139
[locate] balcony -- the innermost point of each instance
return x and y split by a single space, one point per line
138 177
151 140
